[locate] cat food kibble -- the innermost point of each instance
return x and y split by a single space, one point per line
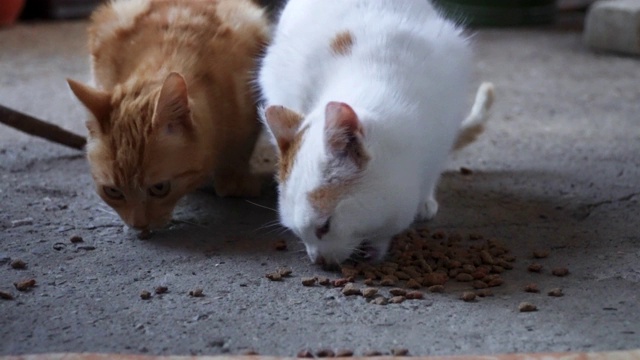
324 353
527 307
350 289
196 292
18 264
161 289
535 267
274 276
6 295
305 353
25 285
468 296
372 353
399 352
380 300
369 292
309 281
555 292
398 292
484 293
532 288
397 299
541 254
76 239
414 295
145 295
344 353
561 271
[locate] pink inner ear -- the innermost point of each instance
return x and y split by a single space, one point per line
340 116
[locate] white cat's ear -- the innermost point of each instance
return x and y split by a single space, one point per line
344 133
97 102
173 113
284 124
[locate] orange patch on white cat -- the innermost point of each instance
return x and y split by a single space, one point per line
342 43
288 156
325 198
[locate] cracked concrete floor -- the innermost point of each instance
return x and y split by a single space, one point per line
557 169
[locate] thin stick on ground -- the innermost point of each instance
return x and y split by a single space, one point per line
36 127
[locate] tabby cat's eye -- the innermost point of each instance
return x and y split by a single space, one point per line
113 193
160 190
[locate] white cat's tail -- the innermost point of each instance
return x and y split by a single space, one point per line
473 125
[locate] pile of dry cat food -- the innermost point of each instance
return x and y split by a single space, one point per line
421 260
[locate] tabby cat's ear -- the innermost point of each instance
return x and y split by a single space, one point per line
172 110
284 124
97 102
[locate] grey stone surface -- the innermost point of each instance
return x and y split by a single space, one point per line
614 25
558 169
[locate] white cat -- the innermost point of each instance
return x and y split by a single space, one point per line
364 100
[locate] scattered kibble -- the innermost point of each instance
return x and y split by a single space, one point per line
468 296
324 353
561 271
532 288
305 353
369 292
399 352
350 289
535 267
414 295
436 288
76 239
161 289
484 293
309 281
398 292
18 264
541 254
527 307
397 299
145 295
555 292
6 295
344 353
340 282
25 285
196 292
380 300
274 276
372 353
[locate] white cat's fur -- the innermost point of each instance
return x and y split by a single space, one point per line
369 121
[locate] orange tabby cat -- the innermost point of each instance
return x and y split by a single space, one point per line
174 103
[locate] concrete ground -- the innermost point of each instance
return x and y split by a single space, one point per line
558 169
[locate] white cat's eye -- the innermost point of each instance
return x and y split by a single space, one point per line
324 229
113 193
160 190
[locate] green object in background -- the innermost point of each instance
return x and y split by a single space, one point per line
499 12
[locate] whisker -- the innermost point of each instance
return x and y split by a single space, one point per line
189 223
262 206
